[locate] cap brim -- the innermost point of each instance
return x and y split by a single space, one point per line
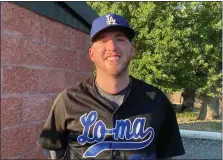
130 33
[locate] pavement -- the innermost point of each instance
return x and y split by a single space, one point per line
201 145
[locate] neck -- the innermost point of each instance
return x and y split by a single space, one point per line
112 84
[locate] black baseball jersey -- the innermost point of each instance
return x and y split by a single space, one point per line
143 127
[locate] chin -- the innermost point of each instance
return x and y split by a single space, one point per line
113 70
117 71
115 74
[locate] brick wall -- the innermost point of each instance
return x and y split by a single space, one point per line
39 58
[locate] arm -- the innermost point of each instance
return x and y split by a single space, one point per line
54 134
169 142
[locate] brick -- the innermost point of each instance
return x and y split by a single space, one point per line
72 40
19 80
73 77
84 63
36 153
86 41
81 42
10 111
39 54
17 140
55 96
52 32
36 108
40 128
16 157
65 59
21 20
88 75
77 40
51 81
11 49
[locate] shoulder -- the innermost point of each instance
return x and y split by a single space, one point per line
72 91
82 87
151 91
145 87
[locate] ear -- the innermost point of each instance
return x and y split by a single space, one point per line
132 51
91 54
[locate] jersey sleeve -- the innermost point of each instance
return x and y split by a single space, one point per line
54 134
169 142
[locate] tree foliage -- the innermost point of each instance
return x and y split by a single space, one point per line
178 44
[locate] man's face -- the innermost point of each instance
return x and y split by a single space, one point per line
111 52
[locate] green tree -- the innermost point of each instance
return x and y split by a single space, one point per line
178 45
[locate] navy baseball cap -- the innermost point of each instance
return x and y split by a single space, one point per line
111 20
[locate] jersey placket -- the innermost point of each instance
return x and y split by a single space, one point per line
116 154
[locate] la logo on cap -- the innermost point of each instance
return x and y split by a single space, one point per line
110 20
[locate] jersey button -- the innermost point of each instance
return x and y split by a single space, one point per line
116 153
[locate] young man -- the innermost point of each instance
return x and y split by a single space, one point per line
112 115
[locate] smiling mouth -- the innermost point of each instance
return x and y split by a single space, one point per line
113 58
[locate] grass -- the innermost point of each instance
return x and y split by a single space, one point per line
188 120
187 116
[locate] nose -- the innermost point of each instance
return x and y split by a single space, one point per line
110 45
